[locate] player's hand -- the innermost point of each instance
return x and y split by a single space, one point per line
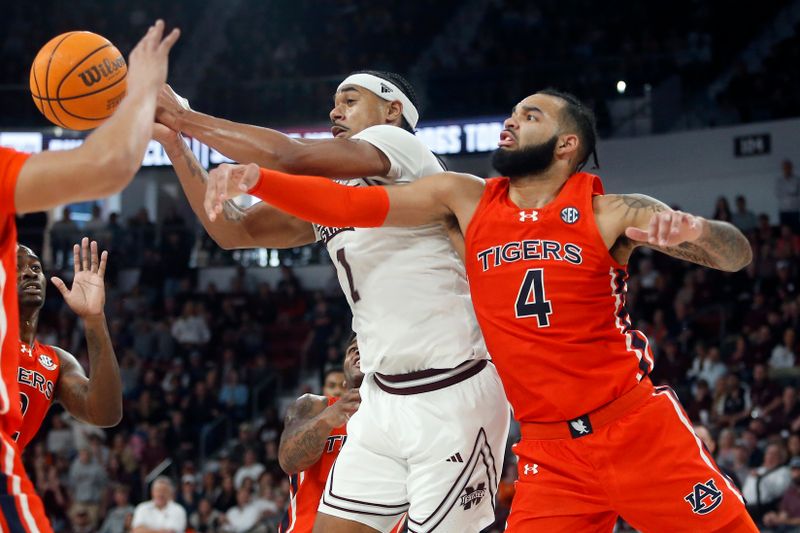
87 297
149 59
669 228
169 106
226 182
165 136
339 413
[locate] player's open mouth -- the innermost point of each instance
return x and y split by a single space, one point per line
506 139
338 130
32 288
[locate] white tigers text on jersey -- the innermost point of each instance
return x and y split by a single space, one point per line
407 287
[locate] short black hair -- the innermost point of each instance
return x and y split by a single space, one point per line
578 116
403 84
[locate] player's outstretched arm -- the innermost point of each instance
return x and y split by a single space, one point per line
259 226
307 425
112 154
272 149
98 398
429 200
649 222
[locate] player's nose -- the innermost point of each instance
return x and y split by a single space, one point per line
510 123
336 114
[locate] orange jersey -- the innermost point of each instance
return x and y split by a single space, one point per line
11 162
550 301
305 488
37 376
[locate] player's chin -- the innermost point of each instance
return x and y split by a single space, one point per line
29 300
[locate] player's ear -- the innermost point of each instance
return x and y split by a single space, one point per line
394 111
567 145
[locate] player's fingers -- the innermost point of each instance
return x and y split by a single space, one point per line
60 285
169 41
85 264
211 193
158 32
223 180
636 234
101 269
94 259
652 229
76 258
664 222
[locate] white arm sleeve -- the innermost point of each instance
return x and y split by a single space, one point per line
405 152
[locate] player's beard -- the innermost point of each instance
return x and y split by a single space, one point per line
525 161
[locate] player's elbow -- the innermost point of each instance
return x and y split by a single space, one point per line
286 465
742 260
108 417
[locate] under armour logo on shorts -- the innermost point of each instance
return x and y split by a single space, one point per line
530 469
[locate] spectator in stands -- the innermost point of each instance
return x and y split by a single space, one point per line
787 413
743 218
711 446
62 236
190 329
787 517
226 495
245 515
708 367
87 482
765 394
119 515
160 513
733 406
95 228
189 496
233 395
250 469
206 519
59 439
765 485
722 210
783 355
787 191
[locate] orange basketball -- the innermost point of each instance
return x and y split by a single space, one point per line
78 79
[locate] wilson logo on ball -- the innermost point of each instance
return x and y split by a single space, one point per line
106 69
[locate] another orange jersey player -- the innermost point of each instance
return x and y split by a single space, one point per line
48 373
101 166
315 429
546 253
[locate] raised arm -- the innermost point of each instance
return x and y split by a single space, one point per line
307 425
112 154
646 221
432 199
269 148
98 398
258 226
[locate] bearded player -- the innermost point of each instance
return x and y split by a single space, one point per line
101 166
50 374
429 435
546 255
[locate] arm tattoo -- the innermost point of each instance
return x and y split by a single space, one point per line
304 436
722 246
230 210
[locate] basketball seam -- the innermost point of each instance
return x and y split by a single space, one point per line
68 112
79 63
38 89
64 99
47 78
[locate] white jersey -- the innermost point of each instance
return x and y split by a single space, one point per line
407 287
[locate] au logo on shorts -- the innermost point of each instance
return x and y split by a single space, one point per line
473 496
704 498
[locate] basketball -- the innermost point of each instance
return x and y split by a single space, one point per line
78 79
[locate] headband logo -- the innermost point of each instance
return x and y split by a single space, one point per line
385 88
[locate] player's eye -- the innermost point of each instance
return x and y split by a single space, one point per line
531 117
350 101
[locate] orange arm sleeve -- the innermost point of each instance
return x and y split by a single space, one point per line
322 201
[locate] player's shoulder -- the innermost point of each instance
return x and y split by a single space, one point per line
629 203
306 406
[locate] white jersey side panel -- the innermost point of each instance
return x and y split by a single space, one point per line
407 287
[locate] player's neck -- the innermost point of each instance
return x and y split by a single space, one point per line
536 190
28 323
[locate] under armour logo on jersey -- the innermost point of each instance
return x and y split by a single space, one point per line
530 469
385 88
455 458
704 498
24 348
473 496
533 216
580 426
570 215
47 362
